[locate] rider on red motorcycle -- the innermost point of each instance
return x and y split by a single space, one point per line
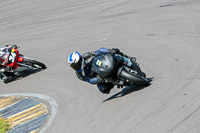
13 64
82 64
8 56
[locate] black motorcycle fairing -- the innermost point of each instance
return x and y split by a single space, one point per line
110 68
104 65
131 76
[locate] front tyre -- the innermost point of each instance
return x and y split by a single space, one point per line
34 63
134 78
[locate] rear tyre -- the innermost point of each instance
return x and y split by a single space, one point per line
5 80
34 63
134 78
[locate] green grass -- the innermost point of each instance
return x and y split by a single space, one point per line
4 126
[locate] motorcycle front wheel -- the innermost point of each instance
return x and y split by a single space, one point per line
134 78
33 63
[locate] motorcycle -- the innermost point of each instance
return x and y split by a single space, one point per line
17 61
106 68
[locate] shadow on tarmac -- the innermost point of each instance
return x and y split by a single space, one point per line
21 75
126 91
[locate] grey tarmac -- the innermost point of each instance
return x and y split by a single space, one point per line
163 35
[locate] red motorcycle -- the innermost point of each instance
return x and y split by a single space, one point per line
18 63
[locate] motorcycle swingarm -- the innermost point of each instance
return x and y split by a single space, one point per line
24 65
124 81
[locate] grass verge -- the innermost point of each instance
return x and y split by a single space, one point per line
4 126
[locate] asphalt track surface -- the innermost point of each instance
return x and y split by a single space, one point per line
163 35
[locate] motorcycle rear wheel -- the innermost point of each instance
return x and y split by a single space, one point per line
6 80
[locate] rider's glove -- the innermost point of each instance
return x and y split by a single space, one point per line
14 46
100 80
133 59
93 53
114 51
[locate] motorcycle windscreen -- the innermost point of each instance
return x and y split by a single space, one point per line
103 65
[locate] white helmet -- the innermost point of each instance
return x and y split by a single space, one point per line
75 61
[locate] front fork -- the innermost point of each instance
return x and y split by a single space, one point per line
23 66
123 82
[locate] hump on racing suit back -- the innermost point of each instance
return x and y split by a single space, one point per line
104 65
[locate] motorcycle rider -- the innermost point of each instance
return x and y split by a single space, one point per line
82 65
7 62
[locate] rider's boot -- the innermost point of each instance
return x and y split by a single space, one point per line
109 86
105 87
133 59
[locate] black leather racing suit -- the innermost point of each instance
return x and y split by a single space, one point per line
88 76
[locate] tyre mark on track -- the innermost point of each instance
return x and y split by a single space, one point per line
186 118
